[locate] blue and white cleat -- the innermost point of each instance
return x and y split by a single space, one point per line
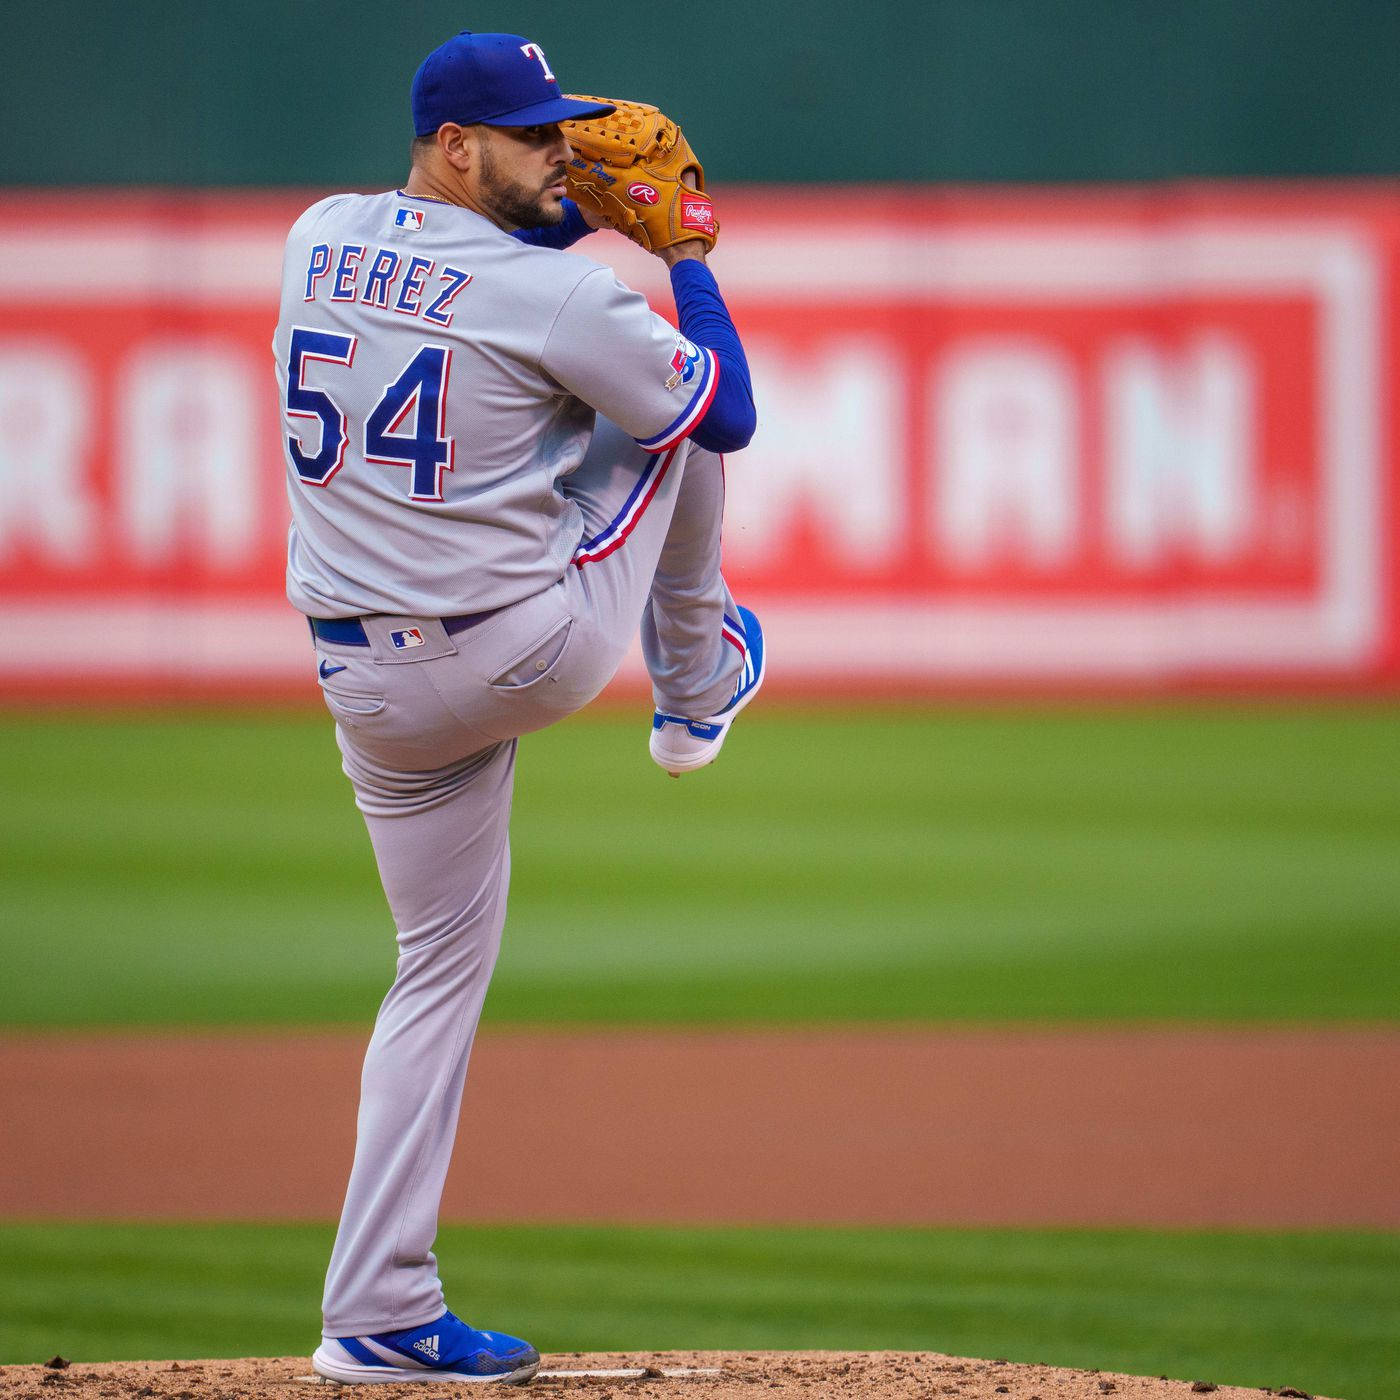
682 745
445 1350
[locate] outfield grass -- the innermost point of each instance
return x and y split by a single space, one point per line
1316 1311
1205 863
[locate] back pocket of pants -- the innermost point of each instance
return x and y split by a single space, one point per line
537 662
351 708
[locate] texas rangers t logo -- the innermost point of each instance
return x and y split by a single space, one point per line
534 51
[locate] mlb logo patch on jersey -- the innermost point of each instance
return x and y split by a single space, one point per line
684 363
411 219
407 637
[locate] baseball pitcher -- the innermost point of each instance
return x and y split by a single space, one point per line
500 463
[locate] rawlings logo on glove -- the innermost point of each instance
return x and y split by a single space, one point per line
698 213
667 206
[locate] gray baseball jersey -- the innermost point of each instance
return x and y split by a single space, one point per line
438 378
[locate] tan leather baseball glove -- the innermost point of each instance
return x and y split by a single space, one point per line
631 167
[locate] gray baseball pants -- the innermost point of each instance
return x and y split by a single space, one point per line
428 738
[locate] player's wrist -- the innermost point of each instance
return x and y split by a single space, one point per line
592 217
692 250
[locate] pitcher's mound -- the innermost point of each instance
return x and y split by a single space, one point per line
662 1375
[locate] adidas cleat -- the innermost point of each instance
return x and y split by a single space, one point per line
681 745
445 1350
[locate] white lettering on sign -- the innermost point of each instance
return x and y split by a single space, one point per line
186 459
831 441
1005 442
1179 450
45 421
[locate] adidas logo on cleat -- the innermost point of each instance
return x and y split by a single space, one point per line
429 1347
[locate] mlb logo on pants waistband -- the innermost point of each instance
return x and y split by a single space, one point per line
408 637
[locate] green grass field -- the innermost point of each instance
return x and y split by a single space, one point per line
1318 1312
1206 863
1211 863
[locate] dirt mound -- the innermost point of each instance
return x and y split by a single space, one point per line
671 1375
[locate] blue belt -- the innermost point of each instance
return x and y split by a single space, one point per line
350 631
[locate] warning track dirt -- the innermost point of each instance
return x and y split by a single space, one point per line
1151 1126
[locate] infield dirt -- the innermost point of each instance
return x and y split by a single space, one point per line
774 1375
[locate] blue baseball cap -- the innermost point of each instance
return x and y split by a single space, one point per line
497 79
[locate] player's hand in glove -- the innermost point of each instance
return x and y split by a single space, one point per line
635 170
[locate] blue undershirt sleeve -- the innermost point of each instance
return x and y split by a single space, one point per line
730 420
559 236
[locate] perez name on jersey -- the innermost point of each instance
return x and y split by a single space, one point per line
383 278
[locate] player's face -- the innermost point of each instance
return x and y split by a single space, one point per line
521 179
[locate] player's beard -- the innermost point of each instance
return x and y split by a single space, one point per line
514 203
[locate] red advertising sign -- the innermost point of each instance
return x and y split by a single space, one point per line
1085 438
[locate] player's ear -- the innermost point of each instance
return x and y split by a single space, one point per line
457 146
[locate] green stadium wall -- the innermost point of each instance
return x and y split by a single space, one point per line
261 92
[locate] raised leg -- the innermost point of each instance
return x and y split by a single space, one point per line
650 557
